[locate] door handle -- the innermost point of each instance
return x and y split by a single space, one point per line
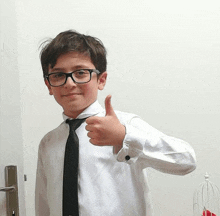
11 189
6 189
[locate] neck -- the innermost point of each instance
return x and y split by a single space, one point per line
75 113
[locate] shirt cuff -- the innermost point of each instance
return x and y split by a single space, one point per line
132 146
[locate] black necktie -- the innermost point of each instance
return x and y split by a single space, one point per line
70 173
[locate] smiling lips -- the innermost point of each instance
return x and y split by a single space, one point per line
71 94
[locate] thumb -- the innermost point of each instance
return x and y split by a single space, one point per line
108 106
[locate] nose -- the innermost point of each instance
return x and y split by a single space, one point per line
70 82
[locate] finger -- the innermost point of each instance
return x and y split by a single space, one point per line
89 127
95 142
108 106
92 141
93 120
91 135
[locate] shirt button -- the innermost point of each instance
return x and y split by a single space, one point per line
127 157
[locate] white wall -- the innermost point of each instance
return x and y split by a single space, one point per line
11 143
163 64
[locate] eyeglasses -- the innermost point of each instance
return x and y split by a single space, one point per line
78 76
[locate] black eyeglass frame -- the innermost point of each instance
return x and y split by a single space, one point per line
70 75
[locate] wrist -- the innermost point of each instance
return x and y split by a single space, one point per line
118 145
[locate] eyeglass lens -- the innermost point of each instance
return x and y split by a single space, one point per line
80 76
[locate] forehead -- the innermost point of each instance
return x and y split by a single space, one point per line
72 61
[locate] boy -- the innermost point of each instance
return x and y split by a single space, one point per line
114 147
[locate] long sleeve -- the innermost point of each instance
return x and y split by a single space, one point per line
106 186
41 202
149 147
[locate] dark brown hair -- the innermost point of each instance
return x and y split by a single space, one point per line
68 41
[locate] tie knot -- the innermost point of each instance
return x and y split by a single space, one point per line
74 123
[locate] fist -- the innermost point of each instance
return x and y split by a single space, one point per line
107 130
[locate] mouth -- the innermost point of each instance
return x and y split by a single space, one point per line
71 94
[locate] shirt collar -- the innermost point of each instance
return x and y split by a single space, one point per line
92 110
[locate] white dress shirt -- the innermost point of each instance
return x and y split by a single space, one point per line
109 184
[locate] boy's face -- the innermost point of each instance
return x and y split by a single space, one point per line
73 97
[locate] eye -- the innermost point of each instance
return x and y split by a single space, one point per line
57 75
81 73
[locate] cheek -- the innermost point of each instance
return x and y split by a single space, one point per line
90 90
56 94
57 97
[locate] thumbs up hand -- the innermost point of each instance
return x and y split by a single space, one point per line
106 130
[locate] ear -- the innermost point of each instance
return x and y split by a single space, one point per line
102 80
48 86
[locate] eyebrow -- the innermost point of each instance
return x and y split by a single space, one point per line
77 67
54 69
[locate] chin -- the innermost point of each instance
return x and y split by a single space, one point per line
74 108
